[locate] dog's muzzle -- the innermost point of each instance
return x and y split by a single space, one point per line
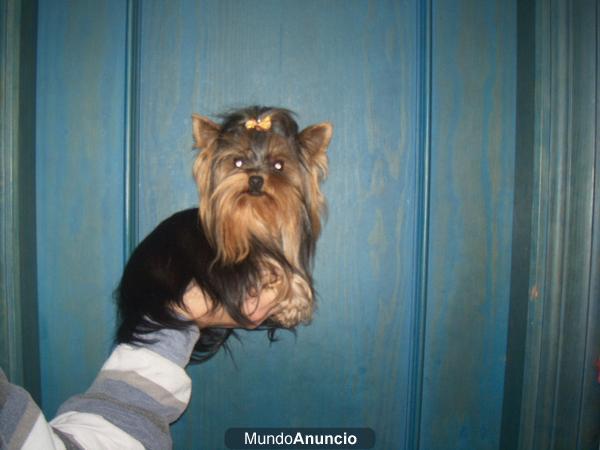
255 184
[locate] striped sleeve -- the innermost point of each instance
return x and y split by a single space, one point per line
139 391
22 425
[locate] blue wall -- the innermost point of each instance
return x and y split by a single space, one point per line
80 135
472 169
411 163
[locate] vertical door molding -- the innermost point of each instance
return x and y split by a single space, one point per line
552 394
132 121
19 355
419 312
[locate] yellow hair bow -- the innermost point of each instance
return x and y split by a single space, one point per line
263 124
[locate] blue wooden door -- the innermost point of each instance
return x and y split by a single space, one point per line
413 266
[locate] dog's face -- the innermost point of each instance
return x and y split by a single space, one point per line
259 181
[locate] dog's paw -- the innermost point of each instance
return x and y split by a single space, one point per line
298 307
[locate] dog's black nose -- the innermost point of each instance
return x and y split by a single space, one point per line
255 183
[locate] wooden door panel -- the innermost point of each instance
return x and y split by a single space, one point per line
366 67
80 185
347 62
472 169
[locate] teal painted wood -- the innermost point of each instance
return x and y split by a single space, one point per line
19 353
364 67
132 125
80 130
419 314
522 219
560 405
471 193
356 64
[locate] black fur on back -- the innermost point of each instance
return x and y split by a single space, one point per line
160 269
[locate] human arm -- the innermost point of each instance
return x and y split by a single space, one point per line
138 392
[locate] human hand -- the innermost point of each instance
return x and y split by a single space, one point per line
199 308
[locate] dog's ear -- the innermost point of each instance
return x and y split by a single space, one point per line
314 141
205 131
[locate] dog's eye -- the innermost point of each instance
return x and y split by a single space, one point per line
238 162
278 166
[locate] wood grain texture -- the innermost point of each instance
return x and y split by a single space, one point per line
473 103
352 63
80 133
359 65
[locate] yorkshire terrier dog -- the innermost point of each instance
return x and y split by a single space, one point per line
259 218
